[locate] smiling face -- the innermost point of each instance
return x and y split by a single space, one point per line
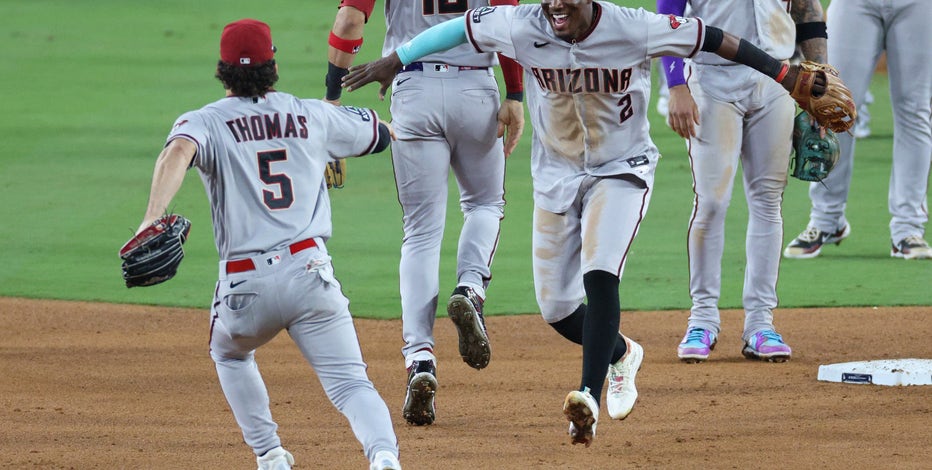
569 19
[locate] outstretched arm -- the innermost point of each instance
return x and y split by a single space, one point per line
167 177
441 37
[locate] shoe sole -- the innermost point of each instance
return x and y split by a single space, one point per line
578 413
899 254
828 241
474 343
754 356
419 401
696 358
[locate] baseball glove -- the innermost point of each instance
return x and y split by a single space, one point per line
815 156
153 255
335 173
823 95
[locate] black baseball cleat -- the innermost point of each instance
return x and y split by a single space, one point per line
419 399
465 309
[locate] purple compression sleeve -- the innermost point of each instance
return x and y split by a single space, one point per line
672 66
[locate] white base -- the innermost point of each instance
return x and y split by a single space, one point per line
881 372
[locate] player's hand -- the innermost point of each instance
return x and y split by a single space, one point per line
382 71
511 124
684 114
391 130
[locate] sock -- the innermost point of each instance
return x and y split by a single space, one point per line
571 328
600 329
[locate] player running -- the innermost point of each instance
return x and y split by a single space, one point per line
261 154
446 113
592 160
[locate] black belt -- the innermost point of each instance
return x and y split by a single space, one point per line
419 66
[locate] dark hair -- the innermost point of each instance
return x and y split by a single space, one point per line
247 81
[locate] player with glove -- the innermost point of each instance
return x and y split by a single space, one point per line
262 163
592 159
731 114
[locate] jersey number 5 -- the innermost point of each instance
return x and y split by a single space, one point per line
282 180
444 7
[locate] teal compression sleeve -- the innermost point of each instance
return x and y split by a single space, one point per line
441 37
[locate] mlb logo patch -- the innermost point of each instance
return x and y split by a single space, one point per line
274 260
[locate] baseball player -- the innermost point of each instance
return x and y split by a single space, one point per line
858 31
592 158
446 113
728 113
261 154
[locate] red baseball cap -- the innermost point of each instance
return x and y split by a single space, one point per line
246 43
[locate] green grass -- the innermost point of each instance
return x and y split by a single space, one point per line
92 88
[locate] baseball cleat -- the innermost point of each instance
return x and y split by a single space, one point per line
385 460
696 346
582 411
419 399
767 346
809 243
275 459
465 309
622 394
911 247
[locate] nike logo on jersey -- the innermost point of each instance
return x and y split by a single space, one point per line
399 82
540 44
234 284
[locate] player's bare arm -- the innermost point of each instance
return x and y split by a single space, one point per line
810 29
346 38
167 178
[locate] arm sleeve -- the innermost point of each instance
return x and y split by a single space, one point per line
365 6
511 71
672 66
350 131
437 38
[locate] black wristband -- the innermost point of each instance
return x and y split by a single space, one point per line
334 81
713 39
517 96
750 55
812 30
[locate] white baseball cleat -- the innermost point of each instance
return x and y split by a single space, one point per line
385 460
276 459
622 394
582 411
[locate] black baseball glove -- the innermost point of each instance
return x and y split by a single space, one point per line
815 156
153 255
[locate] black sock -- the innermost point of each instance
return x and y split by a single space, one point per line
571 328
600 329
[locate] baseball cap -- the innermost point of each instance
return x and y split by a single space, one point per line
246 43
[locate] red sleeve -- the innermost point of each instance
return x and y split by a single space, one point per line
364 6
511 71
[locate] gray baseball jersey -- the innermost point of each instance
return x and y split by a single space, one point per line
592 158
262 163
404 19
858 32
747 118
444 112
276 152
587 100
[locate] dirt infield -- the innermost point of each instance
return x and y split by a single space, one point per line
110 386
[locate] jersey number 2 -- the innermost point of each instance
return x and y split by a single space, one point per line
444 7
282 180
